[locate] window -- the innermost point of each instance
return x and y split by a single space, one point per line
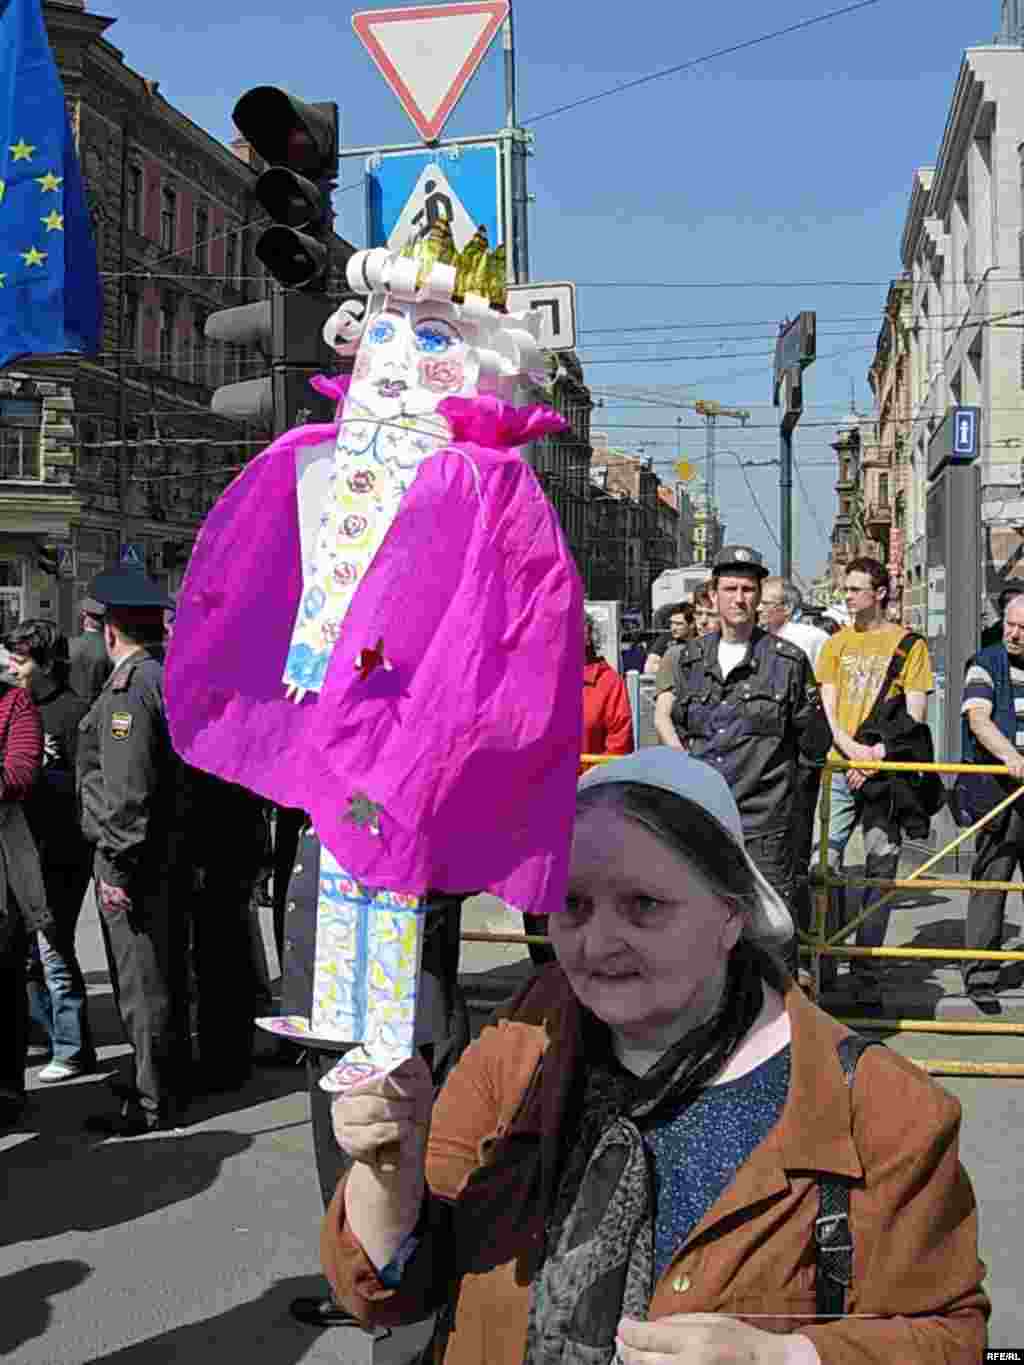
20 438
133 193
201 248
883 490
167 318
168 219
231 257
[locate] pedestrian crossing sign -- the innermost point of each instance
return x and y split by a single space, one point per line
133 555
407 192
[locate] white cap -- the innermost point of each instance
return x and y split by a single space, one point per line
673 771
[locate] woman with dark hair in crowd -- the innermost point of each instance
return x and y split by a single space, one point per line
57 993
662 1151
23 908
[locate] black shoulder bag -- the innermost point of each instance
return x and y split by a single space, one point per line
883 704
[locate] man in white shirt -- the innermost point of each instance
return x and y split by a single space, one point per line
781 602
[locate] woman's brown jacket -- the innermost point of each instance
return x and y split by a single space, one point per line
494 1145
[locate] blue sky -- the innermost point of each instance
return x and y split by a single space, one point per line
768 172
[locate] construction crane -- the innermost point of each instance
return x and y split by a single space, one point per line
667 395
711 411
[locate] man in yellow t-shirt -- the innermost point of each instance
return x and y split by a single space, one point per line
852 666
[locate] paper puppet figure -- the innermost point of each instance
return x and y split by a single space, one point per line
381 625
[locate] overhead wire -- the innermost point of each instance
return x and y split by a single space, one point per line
743 46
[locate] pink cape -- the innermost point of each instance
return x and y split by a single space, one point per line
470 744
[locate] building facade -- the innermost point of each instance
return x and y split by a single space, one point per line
887 472
963 253
708 529
562 461
121 449
633 528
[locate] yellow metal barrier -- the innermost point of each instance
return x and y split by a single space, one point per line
819 945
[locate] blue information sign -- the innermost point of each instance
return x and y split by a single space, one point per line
406 192
965 433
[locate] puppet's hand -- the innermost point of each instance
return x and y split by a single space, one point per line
295 693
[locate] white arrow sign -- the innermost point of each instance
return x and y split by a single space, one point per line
428 54
432 198
556 304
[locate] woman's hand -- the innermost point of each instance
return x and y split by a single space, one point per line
708 1339
392 1112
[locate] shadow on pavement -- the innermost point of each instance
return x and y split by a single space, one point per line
25 1296
58 1184
260 1332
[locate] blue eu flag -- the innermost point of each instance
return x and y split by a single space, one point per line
50 298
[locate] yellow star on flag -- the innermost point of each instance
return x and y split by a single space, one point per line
33 256
3 279
54 221
49 181
3 190
22 151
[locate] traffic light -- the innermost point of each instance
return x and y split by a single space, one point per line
299 142
286 329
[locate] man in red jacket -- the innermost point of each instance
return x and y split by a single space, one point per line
607 718
607 729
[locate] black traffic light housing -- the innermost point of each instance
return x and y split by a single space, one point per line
299 142
286 329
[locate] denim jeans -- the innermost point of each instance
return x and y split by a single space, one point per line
56 987
881 858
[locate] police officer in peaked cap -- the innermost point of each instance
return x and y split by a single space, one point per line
131 796
746 702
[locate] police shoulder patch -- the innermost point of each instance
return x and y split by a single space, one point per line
120 725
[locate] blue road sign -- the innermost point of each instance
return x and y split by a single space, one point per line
133 555
965 433
408 191
67 561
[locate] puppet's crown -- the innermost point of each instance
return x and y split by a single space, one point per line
478 270
429 266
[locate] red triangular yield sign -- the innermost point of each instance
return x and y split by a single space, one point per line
427 53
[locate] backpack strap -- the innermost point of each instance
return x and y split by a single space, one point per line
896 662
833 1236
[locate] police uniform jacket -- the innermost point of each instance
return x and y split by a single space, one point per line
90 665
130 781
753 725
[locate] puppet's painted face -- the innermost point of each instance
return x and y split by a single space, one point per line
411 356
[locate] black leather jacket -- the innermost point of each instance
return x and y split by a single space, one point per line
753 725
